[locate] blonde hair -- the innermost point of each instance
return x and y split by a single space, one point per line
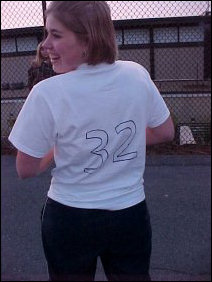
39 58
91 22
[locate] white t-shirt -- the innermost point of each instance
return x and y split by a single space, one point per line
96 119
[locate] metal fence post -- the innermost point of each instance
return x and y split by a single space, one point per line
44 9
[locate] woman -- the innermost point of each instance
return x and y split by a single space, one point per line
41 67
95 119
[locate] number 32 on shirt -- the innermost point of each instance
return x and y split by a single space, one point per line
122 153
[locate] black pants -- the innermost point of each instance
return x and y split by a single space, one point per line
73 238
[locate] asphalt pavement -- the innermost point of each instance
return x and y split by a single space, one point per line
178 194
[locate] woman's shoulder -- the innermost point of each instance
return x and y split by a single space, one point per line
132 66
49 83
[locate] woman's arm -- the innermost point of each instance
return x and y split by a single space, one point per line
160 134
28 166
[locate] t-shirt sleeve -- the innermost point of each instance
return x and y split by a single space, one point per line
158 111
34 131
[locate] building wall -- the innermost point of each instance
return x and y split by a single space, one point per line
186 108
170 63
140 56
14 69
179 63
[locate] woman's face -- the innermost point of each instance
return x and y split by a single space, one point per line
64 49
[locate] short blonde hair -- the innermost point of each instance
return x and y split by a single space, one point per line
91 22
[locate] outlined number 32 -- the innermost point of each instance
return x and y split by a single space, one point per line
120 154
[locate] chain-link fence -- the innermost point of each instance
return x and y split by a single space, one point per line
171 39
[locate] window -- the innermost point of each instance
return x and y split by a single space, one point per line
166 35
8 45
119 37
19 44
191 34
27 43
136 36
